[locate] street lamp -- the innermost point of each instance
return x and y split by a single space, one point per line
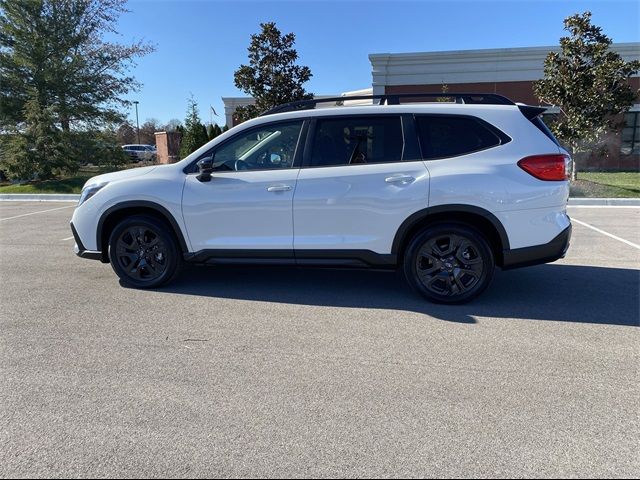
135 102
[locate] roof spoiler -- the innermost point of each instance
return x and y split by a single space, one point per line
531 112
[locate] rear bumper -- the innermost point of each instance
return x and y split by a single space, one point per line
79 249
546 253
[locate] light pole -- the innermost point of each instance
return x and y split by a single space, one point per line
135 102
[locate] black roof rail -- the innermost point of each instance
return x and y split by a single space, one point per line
394 99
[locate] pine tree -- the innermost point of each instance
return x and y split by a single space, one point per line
59 76
195 133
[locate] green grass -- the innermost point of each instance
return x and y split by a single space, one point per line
65 185
607 185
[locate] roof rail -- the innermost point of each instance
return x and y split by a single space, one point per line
394 99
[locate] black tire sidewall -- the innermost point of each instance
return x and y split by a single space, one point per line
409 264
162 230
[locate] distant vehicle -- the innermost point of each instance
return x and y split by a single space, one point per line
140 152
445 192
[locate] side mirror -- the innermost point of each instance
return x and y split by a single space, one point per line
205 167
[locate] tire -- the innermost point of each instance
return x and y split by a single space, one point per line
449 263
143 252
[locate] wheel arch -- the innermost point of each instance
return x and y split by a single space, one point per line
471 215
110 218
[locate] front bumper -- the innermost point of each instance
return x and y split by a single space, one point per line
546 253
82 252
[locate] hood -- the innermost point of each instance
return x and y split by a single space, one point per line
121 175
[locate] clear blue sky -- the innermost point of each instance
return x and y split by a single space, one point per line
201 43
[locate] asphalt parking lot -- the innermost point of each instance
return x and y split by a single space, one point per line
290 372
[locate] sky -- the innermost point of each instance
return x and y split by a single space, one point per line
199 44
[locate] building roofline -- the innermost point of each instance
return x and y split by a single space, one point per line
625 46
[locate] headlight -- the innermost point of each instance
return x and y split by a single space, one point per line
89 191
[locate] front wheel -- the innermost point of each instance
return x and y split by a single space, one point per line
143 252
449 263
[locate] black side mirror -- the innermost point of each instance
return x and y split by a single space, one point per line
205 167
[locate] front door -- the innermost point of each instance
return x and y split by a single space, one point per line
248 203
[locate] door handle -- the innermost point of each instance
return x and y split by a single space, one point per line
400 178
279 188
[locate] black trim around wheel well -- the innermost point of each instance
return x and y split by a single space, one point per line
478 217
135 207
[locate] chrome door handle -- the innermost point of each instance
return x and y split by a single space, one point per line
279 188
400 178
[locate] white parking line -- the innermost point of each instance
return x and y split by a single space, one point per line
68 238
573 219
35 213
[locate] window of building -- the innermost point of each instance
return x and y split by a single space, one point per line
444 136
357 140
631 134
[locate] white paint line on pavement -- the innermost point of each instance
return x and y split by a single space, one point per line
573 219
35 213
68 238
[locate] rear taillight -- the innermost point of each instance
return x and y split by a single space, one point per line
554 167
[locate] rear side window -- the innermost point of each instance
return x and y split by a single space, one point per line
356 141
444 136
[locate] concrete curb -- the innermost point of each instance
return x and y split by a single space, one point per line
38 197
59 197
611 202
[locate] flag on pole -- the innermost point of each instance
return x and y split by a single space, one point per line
213 110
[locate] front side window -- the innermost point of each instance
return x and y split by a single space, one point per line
444 136
263 148
357 141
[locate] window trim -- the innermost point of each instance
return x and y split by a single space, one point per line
308 148
502 137
297 156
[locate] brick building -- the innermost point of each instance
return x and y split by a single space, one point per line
507 71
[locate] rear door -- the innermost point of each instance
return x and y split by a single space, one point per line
361 178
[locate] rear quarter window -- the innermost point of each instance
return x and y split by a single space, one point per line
443 136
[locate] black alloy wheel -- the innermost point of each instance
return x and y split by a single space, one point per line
143 252
449 263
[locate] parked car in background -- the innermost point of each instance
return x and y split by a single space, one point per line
445 192
141 152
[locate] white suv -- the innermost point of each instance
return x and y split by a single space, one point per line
445 191
140 153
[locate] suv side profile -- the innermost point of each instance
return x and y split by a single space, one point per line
444 191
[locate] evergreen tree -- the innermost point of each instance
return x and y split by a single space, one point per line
272 76
588 81
195 133
59 76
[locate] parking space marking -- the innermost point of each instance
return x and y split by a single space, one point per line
35 213
68 238
573 219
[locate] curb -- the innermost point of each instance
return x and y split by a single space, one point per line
39 197
62 197
611 202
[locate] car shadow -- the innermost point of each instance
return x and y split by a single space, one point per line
557 292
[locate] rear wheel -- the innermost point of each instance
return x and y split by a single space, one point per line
449 263
143 252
